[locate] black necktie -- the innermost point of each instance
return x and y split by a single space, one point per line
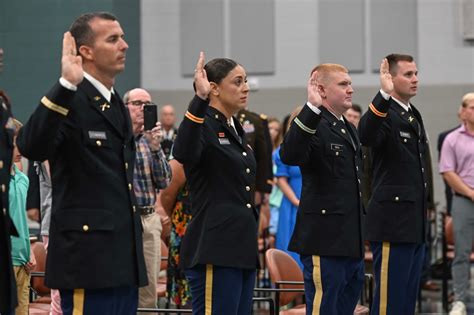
117 111
348 127
413 117
234 131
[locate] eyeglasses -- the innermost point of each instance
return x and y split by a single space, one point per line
140 103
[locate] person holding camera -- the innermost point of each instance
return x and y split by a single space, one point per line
151 173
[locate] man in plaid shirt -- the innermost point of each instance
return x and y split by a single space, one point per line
151 173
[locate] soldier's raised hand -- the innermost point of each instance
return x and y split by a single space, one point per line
71 63
386 82
201 83
313 90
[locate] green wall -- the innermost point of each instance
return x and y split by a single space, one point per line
31 34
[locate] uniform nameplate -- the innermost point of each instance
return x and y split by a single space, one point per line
336 147
97 135
224 141
405 134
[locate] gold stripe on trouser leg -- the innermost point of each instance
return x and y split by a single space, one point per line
318 284
78 302
384 278
208 296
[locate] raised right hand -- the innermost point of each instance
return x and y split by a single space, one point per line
386 83
313 93
71 63
203 87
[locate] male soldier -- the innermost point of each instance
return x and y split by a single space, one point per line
329 223
168 119
82 127
7 280
152 173
396 214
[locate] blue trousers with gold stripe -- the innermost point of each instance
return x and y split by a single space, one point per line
397 270
221 290
113 301
332 284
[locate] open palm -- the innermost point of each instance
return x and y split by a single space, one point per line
71 63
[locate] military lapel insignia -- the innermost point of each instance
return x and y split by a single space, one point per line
410 119
104 106
96 98
402 113
334 123
343 131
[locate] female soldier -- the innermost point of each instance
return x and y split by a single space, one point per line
219 249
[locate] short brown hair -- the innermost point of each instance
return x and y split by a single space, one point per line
357 108
82 31
393 60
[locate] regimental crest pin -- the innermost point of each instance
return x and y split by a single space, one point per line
104 106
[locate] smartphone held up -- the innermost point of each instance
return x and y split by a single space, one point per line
150 116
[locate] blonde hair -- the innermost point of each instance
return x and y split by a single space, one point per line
467 98
326 69
279 137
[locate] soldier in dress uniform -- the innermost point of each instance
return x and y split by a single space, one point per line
329 225
82 127
396 214
219 250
